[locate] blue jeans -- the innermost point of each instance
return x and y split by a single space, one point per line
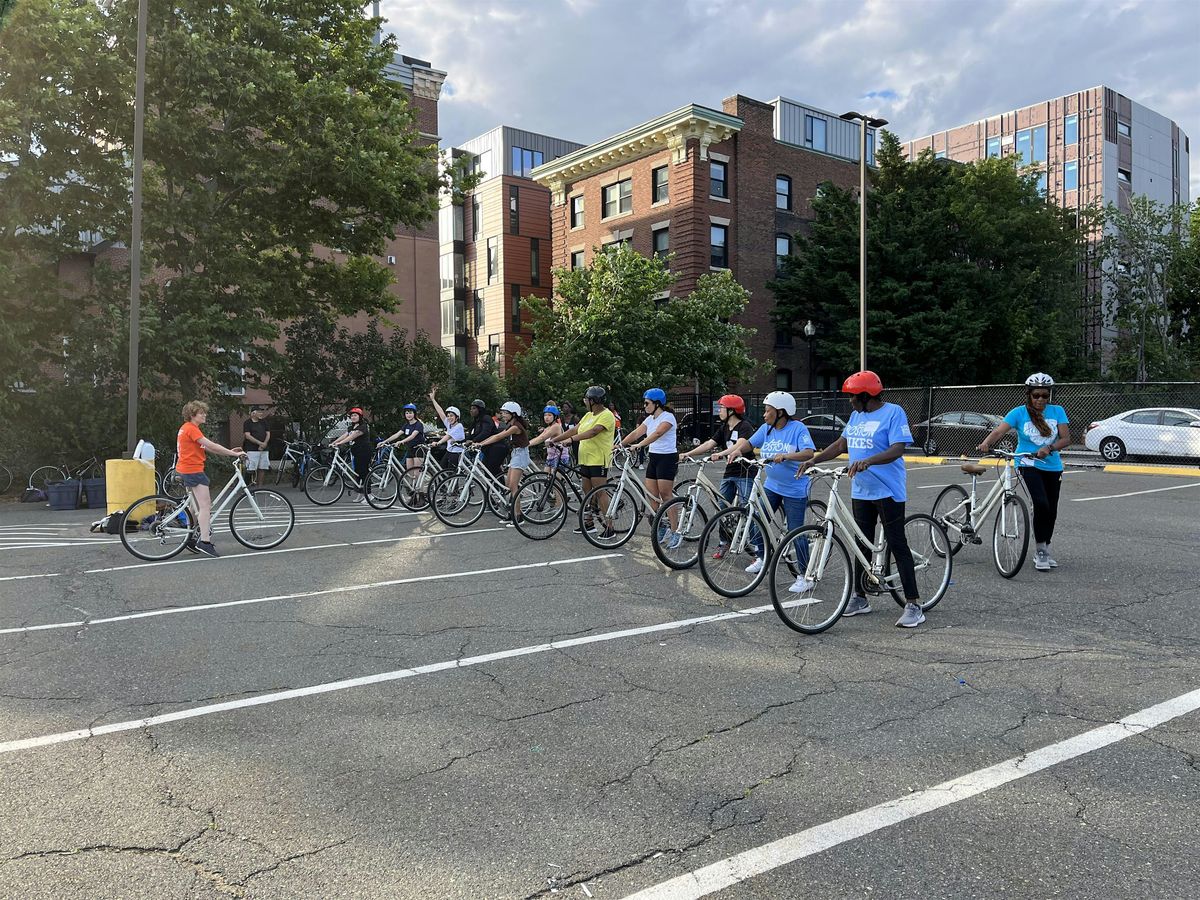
739 487
793 512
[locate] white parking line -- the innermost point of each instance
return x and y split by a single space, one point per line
1175 487
20 577
300 595
750 863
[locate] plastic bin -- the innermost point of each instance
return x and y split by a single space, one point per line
64 494
93 490
127 480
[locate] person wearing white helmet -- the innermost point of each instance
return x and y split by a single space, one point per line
1042 429
455 433
785 442
512 427
656 433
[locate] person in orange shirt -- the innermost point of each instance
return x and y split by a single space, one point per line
191 445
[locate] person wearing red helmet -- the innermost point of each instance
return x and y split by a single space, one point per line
737 477
875 438
358 436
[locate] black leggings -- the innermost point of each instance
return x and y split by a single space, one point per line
362 466
1044 488
866 514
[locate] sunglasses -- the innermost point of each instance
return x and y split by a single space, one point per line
1038 395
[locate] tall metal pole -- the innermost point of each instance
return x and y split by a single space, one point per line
862 247
135 240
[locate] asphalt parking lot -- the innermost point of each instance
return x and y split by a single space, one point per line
385 708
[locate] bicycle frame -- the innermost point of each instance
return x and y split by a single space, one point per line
480 474
343 468
629 481
234 488
1003 487
837 517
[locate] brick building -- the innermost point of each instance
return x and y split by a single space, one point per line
1092 147
495 244
719 189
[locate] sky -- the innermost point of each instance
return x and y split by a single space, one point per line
586 69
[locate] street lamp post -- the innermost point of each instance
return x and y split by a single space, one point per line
135 237
810 334
864 121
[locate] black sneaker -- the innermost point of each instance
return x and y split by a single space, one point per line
190 545
587 526
207 548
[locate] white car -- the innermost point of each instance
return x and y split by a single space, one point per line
1153 431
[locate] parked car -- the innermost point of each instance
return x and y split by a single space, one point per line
959 433
1152 431
824 428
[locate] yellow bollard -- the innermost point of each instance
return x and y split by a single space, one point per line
127 480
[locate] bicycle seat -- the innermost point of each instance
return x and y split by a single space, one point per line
973 469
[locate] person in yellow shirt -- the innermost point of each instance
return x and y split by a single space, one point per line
594 434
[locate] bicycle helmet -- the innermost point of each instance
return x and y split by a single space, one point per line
453 410
656 395
553 410
733 402
480 404
782 401
1039 379
595 393
411 406
866 382
355 409
512 407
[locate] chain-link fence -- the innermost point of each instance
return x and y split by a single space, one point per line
1108 421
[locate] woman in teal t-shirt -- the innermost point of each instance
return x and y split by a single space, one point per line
1041 428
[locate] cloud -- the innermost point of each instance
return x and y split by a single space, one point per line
584 69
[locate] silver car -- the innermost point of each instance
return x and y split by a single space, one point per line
1153 431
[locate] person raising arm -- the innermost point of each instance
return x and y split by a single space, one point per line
455 433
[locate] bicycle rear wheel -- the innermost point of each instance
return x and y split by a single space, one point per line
324 486
172 485
543 503
383 487
952 511
43 475
617 519
1010 536
6 480
457 500
690 521
156 527
927 542
731 531
812 607
262 519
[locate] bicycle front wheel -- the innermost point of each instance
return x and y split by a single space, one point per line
1010 536
616 520
262 519
5 480
729 563
682 548
324 486
809 598
156 527
927 542
414 489
953 512
543 503
457 500
383 487
44 475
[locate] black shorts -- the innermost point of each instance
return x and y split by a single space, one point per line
662 466
593 471
193 479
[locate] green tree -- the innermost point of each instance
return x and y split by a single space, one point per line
970 273
605 327
1149 266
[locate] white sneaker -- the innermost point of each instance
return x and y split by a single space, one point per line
1050 559
755 567
1041 561
801 585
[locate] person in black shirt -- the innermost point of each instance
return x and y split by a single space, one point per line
410 436
737 477
483 427
256 435
358 436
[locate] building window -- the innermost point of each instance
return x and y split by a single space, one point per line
514 209
474 218
617 198
941 154
783 379
1071 130
783 337
576 260
1123 129
535 262
493 349
659 188
493 262
477 303
1042 183
1071 175
577 211
660 238
993 148
525 161
783 192
1039 143
1022 145
1124 176
717 172
814 132
870 148
516 308
783 249
718 246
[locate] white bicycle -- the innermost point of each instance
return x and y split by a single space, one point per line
325 485
963 515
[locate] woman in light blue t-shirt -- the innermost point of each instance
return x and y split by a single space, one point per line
1041 428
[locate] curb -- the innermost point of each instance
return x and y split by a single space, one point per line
1153 470
1113 469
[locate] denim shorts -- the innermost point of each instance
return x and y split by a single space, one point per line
519 458
193 479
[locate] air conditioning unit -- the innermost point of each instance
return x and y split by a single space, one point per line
391 260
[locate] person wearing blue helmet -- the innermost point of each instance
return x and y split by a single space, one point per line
657 434
410 436
552 420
